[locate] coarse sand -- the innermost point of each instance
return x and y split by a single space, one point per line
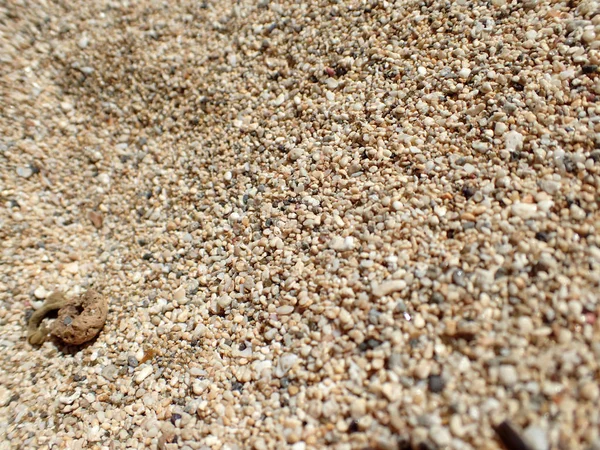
318 224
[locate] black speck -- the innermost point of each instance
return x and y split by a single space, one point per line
542 236
77 378
353 427
510 437
175 417
589 68
147 256
284 382
369 344
242 347
468 192
436 384
518 86
340 71
450 234
237 386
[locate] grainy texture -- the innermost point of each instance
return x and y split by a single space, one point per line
353 224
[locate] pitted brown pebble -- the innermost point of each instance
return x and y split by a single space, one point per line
79 319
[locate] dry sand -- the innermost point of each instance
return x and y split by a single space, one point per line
328 224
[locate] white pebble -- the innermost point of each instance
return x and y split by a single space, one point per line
508 375
104 178
285 310
40 293
387 287
440 435
524 210
513 141
419 322
464 72
576 212
500 128
24 172
341 244
536 437
143 374
285 363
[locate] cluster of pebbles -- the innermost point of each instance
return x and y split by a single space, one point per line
322 224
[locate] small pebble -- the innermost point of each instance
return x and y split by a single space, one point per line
143 373
110 372
508 375
436 384
24 172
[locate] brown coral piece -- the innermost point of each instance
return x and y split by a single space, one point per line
81 318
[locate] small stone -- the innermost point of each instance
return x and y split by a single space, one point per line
358 408
24 172
464 72
513 141
68 400
40 293
588 36
419 322
508 375
525 324
440 435
536 437
524 210
590 391
285 363
285 310
199 386
132 361
341 244
436 383
72 268
83 42
577 213
96 219
104 178
224 301
179 296
500 128
279 100
458 278
387 287
143 373
110 372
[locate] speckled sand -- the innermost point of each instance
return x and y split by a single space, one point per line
328 224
